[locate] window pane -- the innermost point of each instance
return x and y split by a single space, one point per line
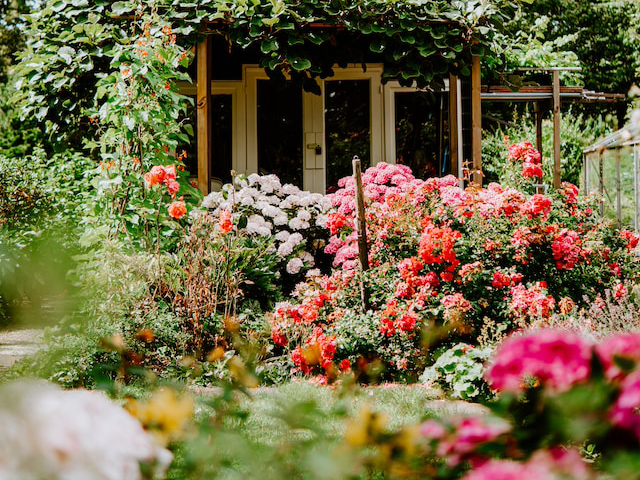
419 140
222 147
280 132
347 127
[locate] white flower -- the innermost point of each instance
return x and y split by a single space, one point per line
280 220
271 211
314 272
47 432
282 236
289 189
295 239
246 201
285 249
321 220
304 215
297 224
256 224
212 200
307 258
253 179
294 266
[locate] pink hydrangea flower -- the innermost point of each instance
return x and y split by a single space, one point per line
625 410
557 358
508 470
626 345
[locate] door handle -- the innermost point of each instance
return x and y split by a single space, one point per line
315 146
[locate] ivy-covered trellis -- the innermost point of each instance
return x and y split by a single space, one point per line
418 41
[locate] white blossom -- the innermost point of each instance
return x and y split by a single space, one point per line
294 266
289 189
297 224
47 432
282 236
285 249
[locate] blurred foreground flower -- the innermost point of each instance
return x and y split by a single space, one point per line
164 415
46 432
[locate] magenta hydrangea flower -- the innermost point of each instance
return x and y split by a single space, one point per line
625 410
557 358
626 345
508 470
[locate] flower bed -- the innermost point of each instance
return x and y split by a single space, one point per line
450 261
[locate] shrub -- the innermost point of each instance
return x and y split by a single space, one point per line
293 219
460 371
446 258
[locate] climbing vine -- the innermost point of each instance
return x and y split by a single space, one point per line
417 40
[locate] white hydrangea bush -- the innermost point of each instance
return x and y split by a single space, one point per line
47 432
295 218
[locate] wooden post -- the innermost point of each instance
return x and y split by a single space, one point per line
476 120
203 113
557 167
361 229
454 155
636 184
537 109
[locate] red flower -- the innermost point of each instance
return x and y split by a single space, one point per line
345 364
225 222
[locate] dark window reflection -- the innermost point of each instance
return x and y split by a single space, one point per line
347 127
280 132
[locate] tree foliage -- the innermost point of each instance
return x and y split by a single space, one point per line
601 36
419 41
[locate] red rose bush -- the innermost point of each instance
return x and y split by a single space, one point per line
444 258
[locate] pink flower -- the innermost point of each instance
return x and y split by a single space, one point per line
536 205
557 358
567 248
625 410
624 345
508 470
463 436
173 186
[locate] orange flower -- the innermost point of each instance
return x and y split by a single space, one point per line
226 224
156 175
177 209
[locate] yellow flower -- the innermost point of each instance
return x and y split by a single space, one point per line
164 415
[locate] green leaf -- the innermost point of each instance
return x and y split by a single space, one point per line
66 53
269 45
378 45
121 7
299 63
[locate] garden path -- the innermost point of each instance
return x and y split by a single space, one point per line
15 344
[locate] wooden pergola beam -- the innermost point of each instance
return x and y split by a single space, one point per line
476 120
204 114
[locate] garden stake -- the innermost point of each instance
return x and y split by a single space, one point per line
361 229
